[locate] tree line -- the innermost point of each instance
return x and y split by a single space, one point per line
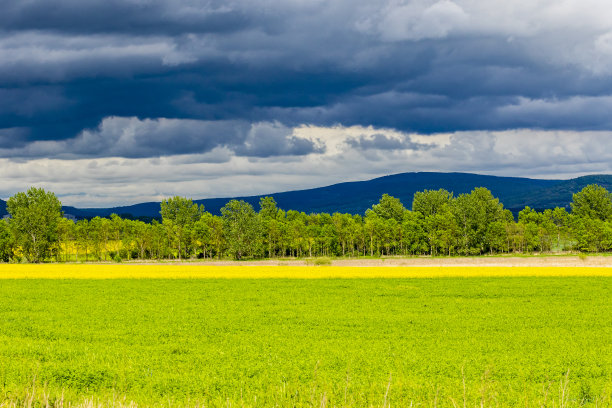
438 224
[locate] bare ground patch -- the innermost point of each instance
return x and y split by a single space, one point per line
527 261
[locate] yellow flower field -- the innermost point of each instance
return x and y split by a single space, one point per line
164 271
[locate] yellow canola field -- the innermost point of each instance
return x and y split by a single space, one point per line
165 271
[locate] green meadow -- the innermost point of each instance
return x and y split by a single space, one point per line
329 342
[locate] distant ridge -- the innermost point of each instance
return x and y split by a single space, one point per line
356 197
559 194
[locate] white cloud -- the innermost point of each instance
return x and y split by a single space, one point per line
418 20
562 33
113 181
40 55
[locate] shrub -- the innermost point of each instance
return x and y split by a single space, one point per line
319 261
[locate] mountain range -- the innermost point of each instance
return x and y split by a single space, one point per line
356 197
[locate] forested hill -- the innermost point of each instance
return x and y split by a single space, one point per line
558 194
355 197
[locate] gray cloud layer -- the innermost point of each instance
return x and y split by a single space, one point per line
218 81
220 172
135 138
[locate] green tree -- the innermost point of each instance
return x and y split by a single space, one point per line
435 207
440 230
65 237
389 234
561 219
530 220
35 216
475 214
297 233
159 240
341 226
413 233
143 237
313 231
267 207
430 202
592 202
389 207
217 235
96 227
201 234
592 235
6 241
548 230
270 226
179 214
83 240
371 224
242 227
116 227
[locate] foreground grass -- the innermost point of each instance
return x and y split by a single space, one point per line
290 342
165 271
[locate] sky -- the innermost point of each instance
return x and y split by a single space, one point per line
112 102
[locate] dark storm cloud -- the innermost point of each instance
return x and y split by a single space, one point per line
13 138
123 16
69 68
135 138
273 139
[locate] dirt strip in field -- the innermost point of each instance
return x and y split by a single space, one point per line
528 261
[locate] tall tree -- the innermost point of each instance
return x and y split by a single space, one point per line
201 234
475 214
242 228
413 233
35 216
561 219
66 237
592 202
83 234
389 207
143 237
434 205
159 241
6 241
97 237
217 235
116 227
430 202
268 212
372 223
530 220
179 214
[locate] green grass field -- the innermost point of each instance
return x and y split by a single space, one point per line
331 342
